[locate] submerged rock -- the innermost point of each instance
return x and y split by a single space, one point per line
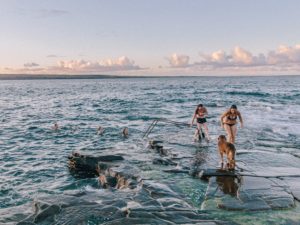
119 177
164 161
246 194
157 146
152 203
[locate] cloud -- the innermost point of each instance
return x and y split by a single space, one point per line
176 60
108 66
283 60
41 13
31 64
121 63
284 56
238 57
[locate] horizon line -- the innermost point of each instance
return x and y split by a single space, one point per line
105 76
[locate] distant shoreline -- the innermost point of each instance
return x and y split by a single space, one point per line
72 77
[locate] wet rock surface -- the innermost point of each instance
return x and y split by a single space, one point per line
151 203
123 196
253 187
247 194
87 165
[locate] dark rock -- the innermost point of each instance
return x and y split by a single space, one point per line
206 173
177 171
88 164
156 145
164 161
153 143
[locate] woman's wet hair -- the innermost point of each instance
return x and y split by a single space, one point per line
200 105
233 107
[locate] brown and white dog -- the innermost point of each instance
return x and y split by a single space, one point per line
228 149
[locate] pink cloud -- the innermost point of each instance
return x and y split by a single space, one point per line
176 60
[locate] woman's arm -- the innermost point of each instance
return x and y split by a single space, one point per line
241 119
222 118
193 119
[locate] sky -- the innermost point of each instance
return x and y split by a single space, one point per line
157 37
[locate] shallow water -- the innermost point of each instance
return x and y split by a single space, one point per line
34 157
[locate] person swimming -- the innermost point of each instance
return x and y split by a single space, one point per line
100 130
229 121
55 126
200 115
125 132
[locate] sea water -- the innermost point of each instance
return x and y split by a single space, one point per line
33 157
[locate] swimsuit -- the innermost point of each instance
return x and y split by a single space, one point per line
230 124
232 118
201 120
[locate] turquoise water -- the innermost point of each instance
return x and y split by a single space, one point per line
34 157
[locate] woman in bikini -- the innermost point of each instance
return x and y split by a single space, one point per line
229 121
200 114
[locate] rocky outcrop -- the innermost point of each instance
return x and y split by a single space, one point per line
151 203
110 173
87 165
158 147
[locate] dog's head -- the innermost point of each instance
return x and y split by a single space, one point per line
222 139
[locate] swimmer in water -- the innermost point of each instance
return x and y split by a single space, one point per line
100 130
229 122
125 132
55 126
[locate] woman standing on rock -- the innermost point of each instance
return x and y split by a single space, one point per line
200 114
229 121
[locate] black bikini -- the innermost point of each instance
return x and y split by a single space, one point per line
232 119
201 120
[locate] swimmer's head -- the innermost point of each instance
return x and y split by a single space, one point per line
233 109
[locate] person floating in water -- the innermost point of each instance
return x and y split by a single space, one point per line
229 121
100 130
200 114
125 132
55 126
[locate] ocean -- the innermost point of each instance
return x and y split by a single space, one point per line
34 157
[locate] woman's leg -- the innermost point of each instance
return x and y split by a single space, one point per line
199 125
234 132
229 132
206 131
197 131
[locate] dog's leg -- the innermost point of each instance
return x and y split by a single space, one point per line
222 160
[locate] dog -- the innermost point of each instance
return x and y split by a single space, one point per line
228 149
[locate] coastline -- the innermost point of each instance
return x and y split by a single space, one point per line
74 77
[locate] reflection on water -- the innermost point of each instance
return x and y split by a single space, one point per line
229 184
